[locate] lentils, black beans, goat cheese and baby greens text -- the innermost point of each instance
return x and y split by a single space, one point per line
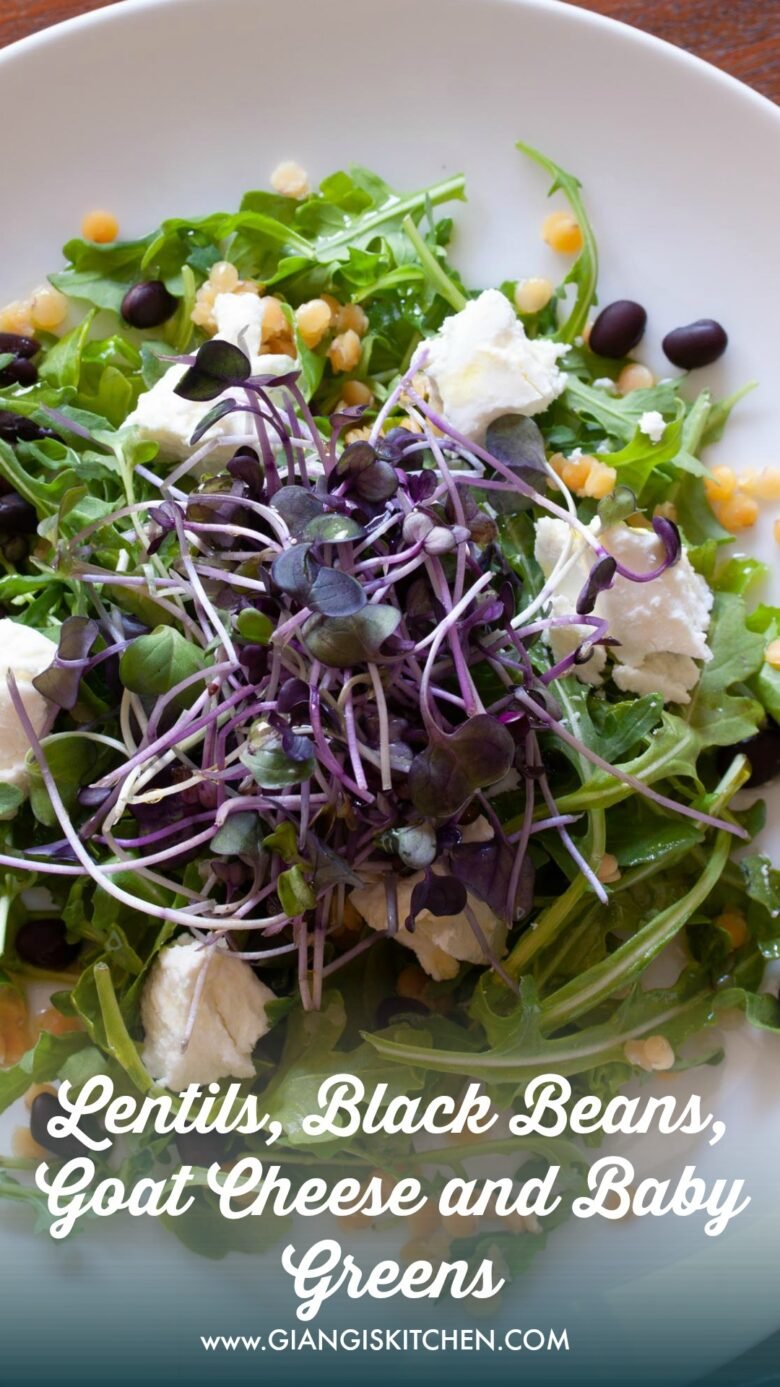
378 673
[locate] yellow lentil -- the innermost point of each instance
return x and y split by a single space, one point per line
562 233
534 294
100 226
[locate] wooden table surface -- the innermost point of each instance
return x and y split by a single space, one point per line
740 36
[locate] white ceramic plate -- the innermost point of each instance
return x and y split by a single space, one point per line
164 107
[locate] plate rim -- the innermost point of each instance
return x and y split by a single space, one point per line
569 13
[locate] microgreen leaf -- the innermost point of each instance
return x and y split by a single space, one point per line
439 895
254 626
332 528
340 642
294 892
156 663
269 762
240 836
217 365
336 594
61 684
294 571
219 410
445 775
297 507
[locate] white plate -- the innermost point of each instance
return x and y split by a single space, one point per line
155 108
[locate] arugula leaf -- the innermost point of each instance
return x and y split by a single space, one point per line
584 272
765 684
619 415
720 713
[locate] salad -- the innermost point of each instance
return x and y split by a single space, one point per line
380 679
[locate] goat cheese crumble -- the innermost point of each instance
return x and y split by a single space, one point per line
481 365
26 653
229 1015
652 425
165 418
441 942
661 625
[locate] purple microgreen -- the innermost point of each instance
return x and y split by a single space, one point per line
356 458
439 895
61 682
292 696
297 506
213 416
335 594
669 535
270 765
216 367
294 571
375 483
444 776
421 486
517 442
487 870
246 467
601 577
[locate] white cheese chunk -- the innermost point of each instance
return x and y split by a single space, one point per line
661 625
652 425
482 365
441 942
230 1015
26 653
165 418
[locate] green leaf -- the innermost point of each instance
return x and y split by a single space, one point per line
640 457
118 1041
340 642
156 663
73 760
266 759
11 798
765 684
241 835
62 363
719 712
584 272
619 415
310 1055
294 892
254 626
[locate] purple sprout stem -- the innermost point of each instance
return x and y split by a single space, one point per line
490 956
184 917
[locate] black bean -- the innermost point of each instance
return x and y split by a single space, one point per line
391 1008
17 516
148 304
618 328
18 345
44 1107
762 751
20 371
14 428
202 1148
42 942
696 344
